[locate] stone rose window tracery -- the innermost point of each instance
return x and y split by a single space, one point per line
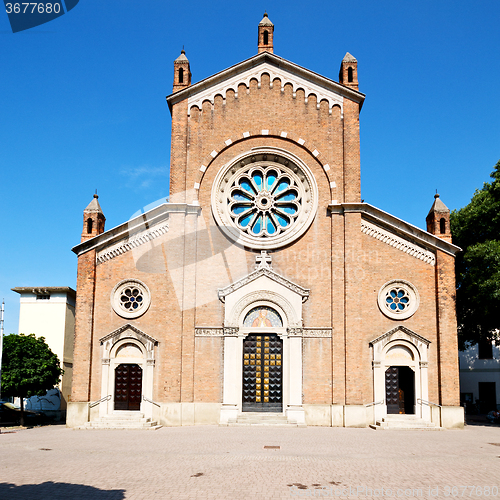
130 298
398 299
264 199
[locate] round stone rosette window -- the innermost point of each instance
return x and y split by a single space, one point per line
130 298
264 199
398 299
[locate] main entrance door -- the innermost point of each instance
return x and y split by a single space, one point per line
400 390
128 387
262 373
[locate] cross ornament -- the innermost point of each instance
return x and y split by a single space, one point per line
263 261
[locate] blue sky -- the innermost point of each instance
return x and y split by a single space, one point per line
82 102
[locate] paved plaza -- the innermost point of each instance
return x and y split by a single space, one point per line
205 462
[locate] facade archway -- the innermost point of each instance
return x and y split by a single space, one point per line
400 379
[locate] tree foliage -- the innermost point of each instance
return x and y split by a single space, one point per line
29 367
476 229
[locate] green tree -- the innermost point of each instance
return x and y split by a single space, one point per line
476 229
29 367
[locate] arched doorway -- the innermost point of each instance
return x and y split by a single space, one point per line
400 379
262 383
128 361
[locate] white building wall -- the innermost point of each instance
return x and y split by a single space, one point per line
54 319
474 370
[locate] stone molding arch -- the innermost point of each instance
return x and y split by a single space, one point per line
111 342
263 296
298 141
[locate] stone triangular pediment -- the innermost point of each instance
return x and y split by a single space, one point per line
269 273
128 331
277 68
400 332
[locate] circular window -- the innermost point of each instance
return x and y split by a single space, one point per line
265 198
398 299
130 298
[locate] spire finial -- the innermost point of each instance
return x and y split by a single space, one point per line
95 194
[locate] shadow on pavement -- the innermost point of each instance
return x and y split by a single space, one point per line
58 491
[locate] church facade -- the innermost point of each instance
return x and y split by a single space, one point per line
265 285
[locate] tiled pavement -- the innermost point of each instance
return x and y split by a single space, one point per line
232 463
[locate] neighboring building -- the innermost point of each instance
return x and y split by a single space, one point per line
480 377
266 284
49 312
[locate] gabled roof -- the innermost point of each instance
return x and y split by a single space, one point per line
286 71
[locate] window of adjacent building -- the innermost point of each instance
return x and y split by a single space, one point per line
42 297
485 349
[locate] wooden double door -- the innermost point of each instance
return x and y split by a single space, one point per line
400 390
263 373
128 387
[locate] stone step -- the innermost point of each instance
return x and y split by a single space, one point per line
262 419
398 422
112 427
100 424
122 415
123 421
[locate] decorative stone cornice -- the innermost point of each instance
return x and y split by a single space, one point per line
317 333
131 243
396 226
310 332
275 73
134 227
397 242
208 331
275 67
263 271
117 334
386 336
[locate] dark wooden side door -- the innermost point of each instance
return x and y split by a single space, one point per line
128 387
392 390
262 373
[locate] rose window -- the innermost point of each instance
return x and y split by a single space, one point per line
264 199
130 298
398 299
